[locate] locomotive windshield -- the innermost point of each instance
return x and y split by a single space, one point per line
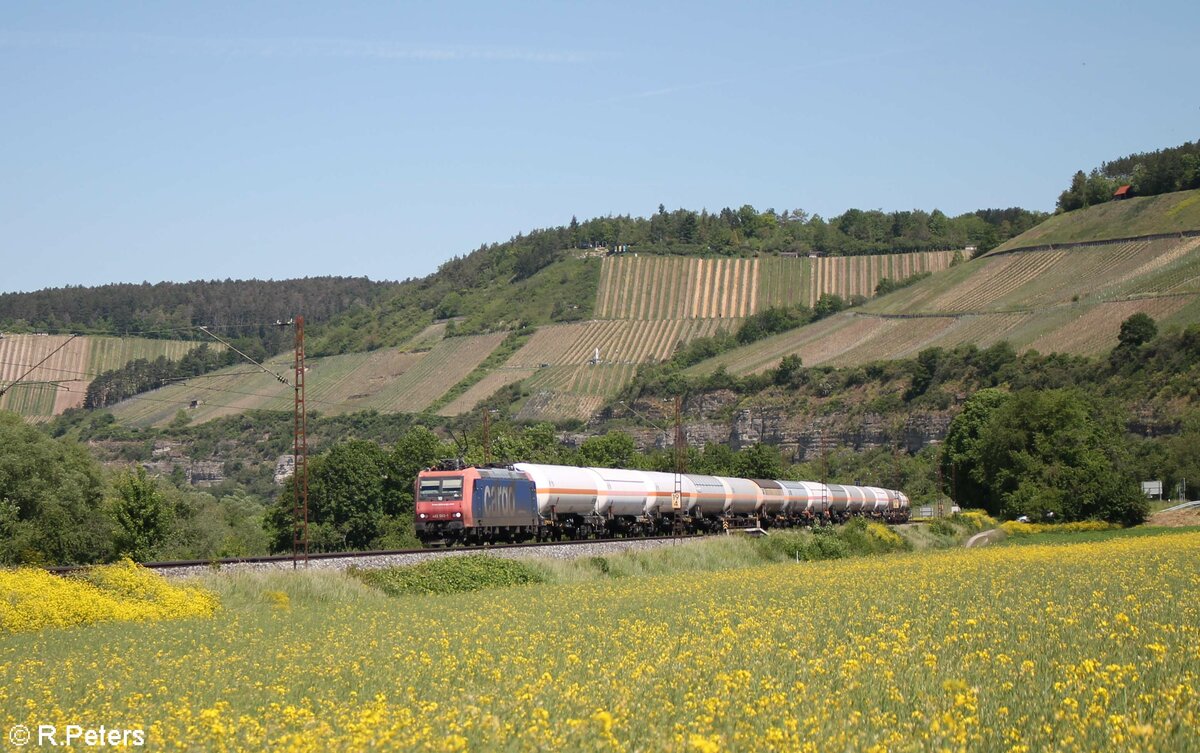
441 488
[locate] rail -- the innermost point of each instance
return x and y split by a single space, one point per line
286 558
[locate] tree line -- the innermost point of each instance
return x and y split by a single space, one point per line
747 230
1147 174
142 375
171 310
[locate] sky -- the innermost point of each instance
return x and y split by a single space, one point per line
168 141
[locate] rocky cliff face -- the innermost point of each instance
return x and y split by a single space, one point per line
719 417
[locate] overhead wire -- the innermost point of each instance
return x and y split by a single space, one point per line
178 381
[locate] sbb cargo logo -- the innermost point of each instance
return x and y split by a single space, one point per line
72 735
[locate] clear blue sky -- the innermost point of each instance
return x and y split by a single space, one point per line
158 141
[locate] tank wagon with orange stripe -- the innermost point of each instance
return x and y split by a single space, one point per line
456 504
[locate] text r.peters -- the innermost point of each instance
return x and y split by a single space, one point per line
97 737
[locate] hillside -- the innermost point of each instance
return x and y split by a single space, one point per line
388 380
1068 299
62 381
644 307
652 304
1165 213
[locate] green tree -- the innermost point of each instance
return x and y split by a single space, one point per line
51 499
1056 451
1137 330
347 503
790 368
1074 197
612 450
827 305
142 515
962 454
716 460
758 461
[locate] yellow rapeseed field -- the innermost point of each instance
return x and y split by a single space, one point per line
31 599
1013 528
1085 647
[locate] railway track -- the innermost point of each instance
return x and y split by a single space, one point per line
392 557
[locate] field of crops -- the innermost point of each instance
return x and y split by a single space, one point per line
429 336
1145 215
896 338
1094 330
673 287
549 405
63 380
848 276
386 380
483 389
1063 300
656 287
1037 279
619 341
1083 647
784 281
815 344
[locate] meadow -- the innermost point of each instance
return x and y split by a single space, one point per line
1091 646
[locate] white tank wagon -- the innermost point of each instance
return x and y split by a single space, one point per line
579 502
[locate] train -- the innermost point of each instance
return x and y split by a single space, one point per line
460 504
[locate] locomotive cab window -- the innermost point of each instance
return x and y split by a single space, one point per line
441 488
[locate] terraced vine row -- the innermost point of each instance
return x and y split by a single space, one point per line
848 276
783 281
618 341
657 287
1095 329
559 406
62 381
483 389
896 338
387 380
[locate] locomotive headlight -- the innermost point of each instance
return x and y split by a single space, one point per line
421 516
458 514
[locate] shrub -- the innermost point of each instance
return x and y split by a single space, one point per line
447 575
35 599
804 547
943 527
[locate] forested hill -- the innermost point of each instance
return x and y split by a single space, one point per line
1145 173
169 310
499 286
539 277
748 231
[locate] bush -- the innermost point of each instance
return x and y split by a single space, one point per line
803 547
446 575
977 520
943 527
858 537
1013 528
34 599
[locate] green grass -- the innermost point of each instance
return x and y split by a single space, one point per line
1164 213
856 539
1090 536
387 380
510 345
452 574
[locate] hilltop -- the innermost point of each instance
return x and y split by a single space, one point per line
556 324
1149 215
456 333
1065 299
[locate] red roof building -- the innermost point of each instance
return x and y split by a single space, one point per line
1123 192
